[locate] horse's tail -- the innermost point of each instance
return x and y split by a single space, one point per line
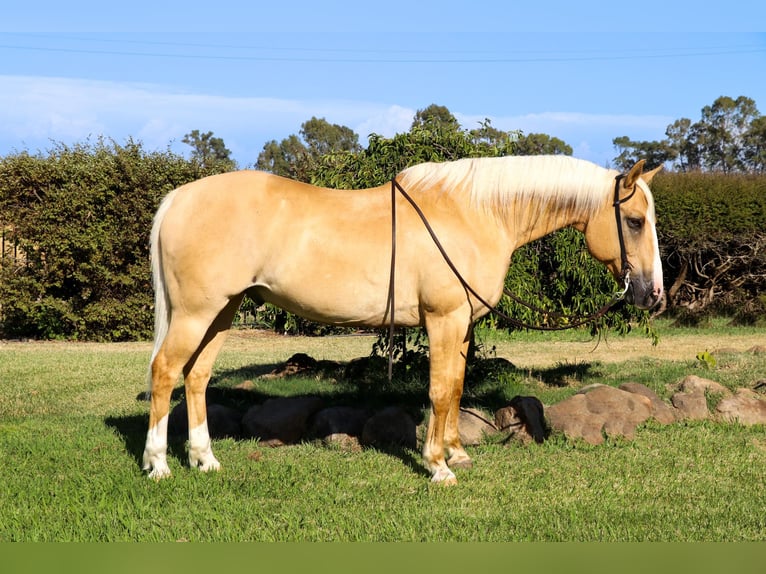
161 303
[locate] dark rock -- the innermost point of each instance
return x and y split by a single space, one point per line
338 420
523 419
280 421
222 421
391 426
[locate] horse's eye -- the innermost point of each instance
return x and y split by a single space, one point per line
635 223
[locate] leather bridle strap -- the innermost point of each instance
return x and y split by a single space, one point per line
624 263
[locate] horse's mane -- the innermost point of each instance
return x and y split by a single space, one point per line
498 183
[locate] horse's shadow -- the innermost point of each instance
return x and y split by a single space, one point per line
364 385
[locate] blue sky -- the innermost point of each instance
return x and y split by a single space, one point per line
251 73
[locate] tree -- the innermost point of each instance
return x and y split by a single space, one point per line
724 124
683 140
435 116
208 150
541 144
286 158
322 137
655 153
755 145
729 137
295 157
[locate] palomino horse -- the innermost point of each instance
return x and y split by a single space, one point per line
325 255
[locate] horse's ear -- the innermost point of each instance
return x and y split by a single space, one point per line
647 177
635 172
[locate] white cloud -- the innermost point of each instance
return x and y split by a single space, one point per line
37 110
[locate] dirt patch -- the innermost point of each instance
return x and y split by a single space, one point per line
267 347
676 347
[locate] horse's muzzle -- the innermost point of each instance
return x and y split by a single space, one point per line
644 294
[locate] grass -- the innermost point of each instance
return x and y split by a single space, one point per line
72 433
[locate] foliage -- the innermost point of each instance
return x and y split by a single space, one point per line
296 157
79 218
75 224
209 151
730 137
713 243
542 144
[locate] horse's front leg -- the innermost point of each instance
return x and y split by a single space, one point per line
448 342
457 457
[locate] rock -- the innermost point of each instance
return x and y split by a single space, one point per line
602 409
691 406
222 421
391 426
693 383
661 412
745 407
474 426
280 421
298 363
523 418
338 420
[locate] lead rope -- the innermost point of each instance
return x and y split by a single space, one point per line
574 322
390 304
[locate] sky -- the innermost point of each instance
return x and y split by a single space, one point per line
585 72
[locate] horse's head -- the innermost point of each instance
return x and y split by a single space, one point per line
630 252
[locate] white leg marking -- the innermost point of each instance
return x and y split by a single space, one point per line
155 452
200 450
444 476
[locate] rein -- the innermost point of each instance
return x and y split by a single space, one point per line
575 321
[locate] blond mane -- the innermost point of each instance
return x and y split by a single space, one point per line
497 183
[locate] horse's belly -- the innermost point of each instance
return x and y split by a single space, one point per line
339 303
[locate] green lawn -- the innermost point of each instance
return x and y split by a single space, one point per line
72 432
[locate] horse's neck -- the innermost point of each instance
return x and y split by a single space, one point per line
536 217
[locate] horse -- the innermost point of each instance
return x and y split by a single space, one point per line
326 255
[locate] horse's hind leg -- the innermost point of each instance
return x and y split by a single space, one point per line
181 342
196 376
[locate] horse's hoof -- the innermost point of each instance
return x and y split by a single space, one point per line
158 473
204 461
460 462
444 477
210 465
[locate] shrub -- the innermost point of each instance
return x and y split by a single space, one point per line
80 219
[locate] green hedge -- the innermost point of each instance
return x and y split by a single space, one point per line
79 219
76 221
712 233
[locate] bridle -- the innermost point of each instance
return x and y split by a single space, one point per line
625 265
564 321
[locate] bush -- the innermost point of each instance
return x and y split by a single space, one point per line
80 219
75 225
712 234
